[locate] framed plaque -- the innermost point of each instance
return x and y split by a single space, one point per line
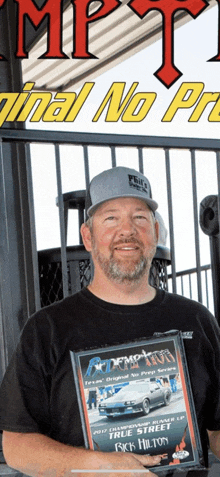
137 397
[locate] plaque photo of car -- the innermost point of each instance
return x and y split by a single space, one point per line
135 398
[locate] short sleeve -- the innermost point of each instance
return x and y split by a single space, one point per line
25 390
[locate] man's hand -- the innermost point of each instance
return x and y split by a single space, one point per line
128 465
37 455
214 439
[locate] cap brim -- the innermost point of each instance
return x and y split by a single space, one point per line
152 204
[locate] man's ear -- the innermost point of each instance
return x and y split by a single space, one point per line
157 230
86 237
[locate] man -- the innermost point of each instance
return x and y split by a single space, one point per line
92 397
39 410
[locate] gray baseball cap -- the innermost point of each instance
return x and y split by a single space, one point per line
116 183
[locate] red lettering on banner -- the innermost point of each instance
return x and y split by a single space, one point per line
82 20
53 10
167 73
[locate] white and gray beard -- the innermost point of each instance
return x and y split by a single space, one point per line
122 271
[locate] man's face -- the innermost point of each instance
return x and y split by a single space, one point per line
123 239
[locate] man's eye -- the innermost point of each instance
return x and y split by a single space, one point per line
111 217
140 217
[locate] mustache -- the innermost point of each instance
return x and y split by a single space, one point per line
131 240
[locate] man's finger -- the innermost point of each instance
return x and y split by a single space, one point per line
150 460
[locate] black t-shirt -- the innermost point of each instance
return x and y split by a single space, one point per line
38 391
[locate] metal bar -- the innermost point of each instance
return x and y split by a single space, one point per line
196 225
33 228
113 156
215 262
12 289
190 287
86 165
87 176
190 271
62 223
3 269
140 159
74 276
182 287
207 288
170 208
81 219
65 137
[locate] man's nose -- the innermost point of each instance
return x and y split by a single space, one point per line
127 227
